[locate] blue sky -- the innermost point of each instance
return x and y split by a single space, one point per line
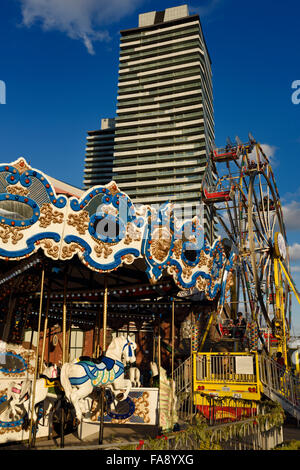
59 61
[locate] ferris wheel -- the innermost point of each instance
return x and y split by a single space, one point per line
247 213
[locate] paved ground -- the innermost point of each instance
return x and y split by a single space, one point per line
112 434
117 433
291 431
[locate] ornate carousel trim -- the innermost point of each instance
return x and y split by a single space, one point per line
105 230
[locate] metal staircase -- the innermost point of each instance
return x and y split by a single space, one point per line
280 386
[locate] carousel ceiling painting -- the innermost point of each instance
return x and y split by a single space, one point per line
105 230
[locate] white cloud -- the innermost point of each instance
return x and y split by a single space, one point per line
294 252
291 215
84 20
269 151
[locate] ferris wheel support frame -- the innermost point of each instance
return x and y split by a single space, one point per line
251 217
280 322
280 270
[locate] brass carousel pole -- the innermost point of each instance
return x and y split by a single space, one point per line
97 339
173 348
105 314
64 355
36 359
191 372
45 332
173 337
154 348
64 326
102 389
159 347
159 366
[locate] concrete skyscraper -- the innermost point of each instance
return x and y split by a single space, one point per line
164 128
99 154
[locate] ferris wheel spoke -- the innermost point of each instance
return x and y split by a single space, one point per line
260 240
225 227
260 229
242 281
263 263
263 204
233 225
246 282
260 218
265 281
275 219
268 280
268 211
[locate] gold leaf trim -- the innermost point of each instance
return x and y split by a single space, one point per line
17 189
7 232
79 221
50 216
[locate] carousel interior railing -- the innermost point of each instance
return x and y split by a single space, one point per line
183 376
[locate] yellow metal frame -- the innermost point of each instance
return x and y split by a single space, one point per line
227 386
281 269
289 278
280 321
206 331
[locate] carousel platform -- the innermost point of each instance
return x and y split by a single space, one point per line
140 409
112 434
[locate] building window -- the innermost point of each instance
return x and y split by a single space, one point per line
76 343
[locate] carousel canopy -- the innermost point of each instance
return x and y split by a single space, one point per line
105 230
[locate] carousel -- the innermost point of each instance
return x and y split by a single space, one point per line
114 314
102 306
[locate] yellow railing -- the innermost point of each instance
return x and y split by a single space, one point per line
229 367
227 375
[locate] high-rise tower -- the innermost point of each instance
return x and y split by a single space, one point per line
99 154
165 123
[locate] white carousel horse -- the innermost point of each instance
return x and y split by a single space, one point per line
20 394
79 378
50 371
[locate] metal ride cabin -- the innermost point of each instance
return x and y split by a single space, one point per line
247 213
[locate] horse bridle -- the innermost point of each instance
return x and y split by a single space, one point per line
130 351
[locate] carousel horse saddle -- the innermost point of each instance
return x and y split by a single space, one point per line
93 360
102 362
49 380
